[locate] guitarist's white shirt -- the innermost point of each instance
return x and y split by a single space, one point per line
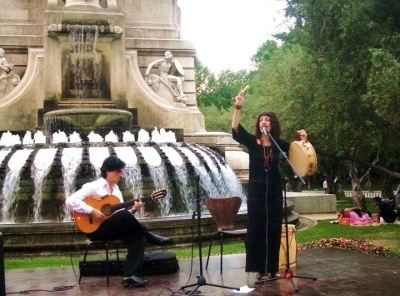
95 189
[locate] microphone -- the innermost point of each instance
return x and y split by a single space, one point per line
264 131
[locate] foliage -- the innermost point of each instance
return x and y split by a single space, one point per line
205 80
334 74
217 119
352 50
220 91
264 52
215 95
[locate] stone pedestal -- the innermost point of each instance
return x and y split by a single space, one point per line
94 3
312 203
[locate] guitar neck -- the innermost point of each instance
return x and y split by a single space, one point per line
130 203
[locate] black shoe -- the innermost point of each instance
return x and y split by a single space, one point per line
133 281
156 239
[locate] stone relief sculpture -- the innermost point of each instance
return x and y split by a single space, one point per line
170 74
8 78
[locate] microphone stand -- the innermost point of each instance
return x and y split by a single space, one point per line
201 281
288 272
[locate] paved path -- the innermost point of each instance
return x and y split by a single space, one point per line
338 273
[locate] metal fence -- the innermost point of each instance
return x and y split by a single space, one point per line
367 194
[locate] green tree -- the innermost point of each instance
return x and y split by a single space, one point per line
264 52
205 80
219 92
336 75
342 39
214 95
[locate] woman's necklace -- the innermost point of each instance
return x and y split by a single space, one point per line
267 153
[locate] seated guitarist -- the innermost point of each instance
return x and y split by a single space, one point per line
122 225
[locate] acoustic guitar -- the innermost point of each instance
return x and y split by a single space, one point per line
108 204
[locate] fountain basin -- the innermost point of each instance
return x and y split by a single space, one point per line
83 121
45 238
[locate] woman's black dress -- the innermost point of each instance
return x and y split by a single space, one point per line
264 203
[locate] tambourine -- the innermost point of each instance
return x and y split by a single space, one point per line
303 158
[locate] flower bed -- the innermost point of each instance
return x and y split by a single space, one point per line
346 244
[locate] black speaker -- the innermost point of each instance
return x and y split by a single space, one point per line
160 263
99 268
153 264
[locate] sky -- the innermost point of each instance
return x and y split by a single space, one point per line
227 33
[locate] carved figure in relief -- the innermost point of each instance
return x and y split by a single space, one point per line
6 72
170 72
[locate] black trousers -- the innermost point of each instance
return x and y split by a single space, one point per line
124 226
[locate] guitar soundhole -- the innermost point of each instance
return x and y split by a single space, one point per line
106 210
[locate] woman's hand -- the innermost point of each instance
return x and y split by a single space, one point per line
302 134
239 99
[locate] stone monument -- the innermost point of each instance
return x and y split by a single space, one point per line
128 36
96 54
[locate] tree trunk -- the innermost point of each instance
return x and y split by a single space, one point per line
386 186
294 184
356 192
331 184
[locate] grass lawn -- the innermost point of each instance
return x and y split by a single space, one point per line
387 236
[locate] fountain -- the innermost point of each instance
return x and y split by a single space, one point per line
83 96
38 177
84 121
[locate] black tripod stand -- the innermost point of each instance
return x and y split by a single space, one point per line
288 272
201 281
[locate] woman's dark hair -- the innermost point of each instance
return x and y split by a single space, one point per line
358 212
275 125
111 163
377 199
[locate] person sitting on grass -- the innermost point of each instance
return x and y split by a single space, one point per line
384 211
354 216
360 217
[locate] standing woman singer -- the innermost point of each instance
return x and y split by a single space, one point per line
265 197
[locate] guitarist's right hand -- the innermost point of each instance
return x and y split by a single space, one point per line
98 215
